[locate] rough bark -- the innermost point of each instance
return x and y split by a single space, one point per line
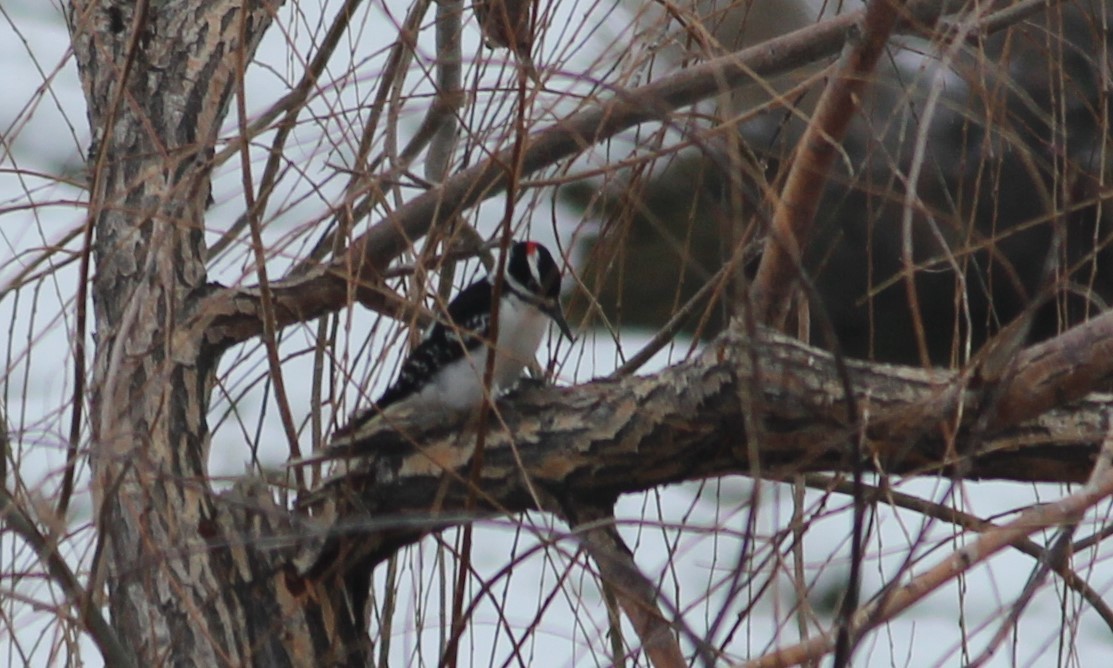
184 586
593 442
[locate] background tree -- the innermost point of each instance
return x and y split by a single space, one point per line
271 198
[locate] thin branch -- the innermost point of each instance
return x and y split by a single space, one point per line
442 119
988 544
804 612
226 317
371 189
293 102
19 520
969 522
255 207
795 210
680 316
1005 17
633 591
449 94
1053 558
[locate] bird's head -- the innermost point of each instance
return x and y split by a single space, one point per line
531 272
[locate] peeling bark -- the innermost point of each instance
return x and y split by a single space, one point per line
597 441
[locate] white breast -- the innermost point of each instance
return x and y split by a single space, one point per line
459 386
521 328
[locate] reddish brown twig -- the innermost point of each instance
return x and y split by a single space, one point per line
794 213
633 591
1035 519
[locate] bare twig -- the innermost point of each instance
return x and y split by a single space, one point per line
970 522
804 612
1006 16
335 238
293 102
633 591
20 521
794 213
254 211
333 241
1032 520
1053 558
229 316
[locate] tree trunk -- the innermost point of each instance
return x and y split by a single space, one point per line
185 586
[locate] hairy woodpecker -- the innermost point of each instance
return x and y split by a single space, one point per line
445 372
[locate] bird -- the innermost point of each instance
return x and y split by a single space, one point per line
445 372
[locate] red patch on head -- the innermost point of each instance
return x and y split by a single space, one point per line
531 247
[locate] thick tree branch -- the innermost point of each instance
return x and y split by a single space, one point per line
181 587
606 438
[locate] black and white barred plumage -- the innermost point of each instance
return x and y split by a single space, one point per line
446 370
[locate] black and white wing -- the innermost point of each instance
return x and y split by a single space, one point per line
469 315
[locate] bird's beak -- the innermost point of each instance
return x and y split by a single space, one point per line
554 311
